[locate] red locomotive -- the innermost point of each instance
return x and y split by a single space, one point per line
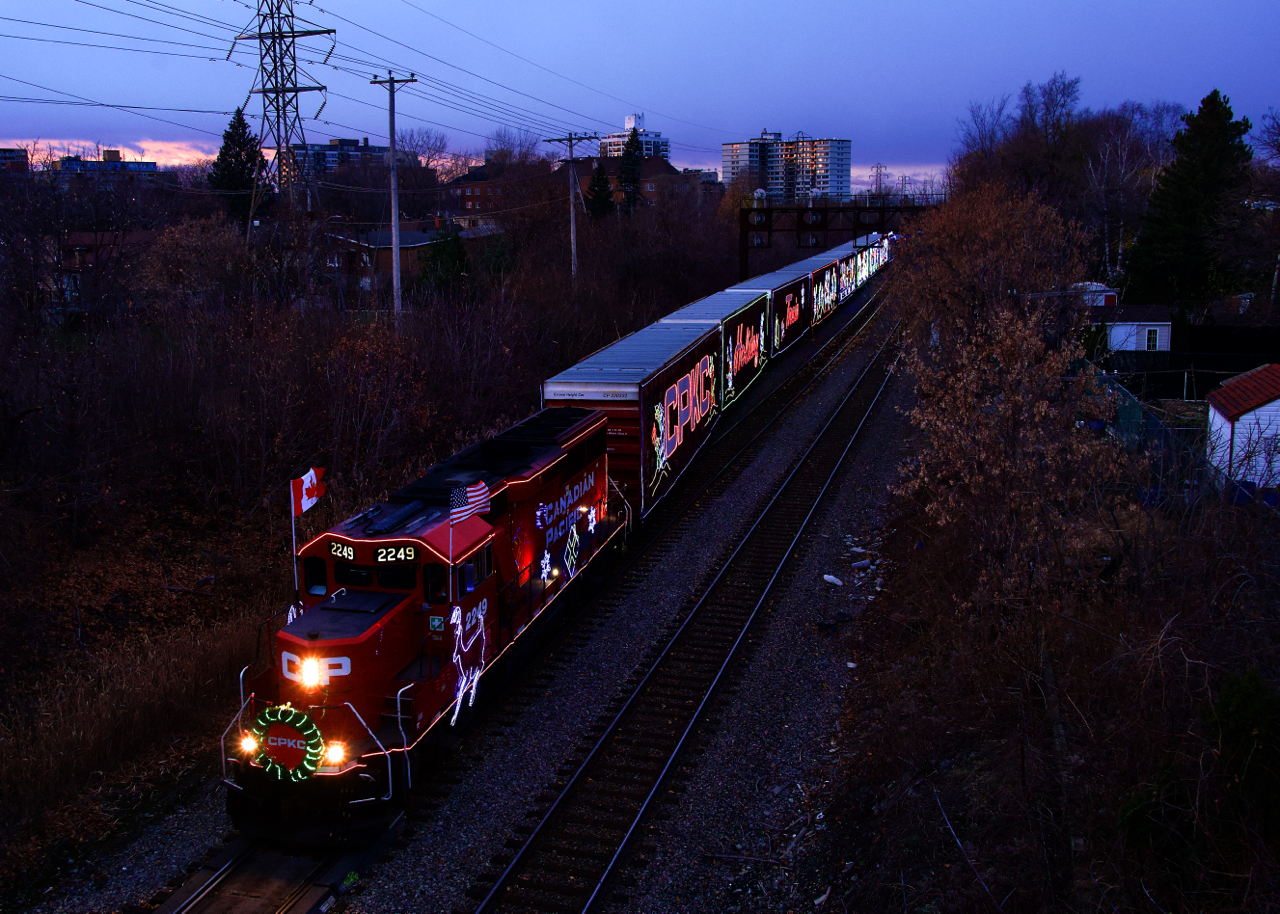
404 605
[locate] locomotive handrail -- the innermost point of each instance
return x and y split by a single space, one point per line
222 742
626 505
373 736
404 740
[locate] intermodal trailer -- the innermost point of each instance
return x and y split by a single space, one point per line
742 317
824 280
658 388
791 313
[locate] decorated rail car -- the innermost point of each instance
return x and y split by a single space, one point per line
407 604
404 606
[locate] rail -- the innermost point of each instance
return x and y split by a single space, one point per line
761 537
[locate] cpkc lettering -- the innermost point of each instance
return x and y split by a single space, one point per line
687 402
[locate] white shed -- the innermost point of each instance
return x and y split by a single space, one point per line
1244 427
1135 328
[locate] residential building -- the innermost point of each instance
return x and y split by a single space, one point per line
111 163
486 189
14 160
1244 428
320 159
1133 328
800 167
362 255
658 177
653 144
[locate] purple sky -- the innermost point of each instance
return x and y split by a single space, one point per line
893 78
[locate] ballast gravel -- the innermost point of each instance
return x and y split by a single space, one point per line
757 800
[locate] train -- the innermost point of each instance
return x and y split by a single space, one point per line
408 606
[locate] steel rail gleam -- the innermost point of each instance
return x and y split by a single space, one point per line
569 858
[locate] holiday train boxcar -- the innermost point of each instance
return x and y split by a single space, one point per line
402 609
406 604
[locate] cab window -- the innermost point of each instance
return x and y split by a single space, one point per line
316 579
435 583
398 577
347 575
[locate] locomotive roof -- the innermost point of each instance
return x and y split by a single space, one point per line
517 453
521 449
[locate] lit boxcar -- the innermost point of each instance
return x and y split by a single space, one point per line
404 607
659 389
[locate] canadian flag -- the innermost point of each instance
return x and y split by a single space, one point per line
307 490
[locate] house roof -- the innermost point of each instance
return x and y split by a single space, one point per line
650 167
1130 314
1246 392
382 239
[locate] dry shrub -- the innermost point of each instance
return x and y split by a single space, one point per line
88 720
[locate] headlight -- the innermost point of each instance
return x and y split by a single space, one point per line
249 745
335 753
310 673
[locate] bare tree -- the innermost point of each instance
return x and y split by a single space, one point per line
429 147
1268 137
987 127
1049 109
507 146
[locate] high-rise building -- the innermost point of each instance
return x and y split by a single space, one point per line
653 143
319 159
799 167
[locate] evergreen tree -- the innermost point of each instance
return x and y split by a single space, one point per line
238 167
629 171
599 195
1175 256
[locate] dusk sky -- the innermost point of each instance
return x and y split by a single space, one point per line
893 78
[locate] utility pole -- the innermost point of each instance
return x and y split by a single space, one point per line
390 82
573 189
278 84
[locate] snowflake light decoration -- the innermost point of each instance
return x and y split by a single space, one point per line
546 566
591 520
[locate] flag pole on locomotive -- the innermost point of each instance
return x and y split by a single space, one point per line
303 494
464 502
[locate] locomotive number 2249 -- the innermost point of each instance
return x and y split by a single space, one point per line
395 554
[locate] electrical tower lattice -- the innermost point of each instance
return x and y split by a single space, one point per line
278 83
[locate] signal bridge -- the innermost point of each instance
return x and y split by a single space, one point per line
813 222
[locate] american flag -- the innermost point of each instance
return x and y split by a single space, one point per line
464 502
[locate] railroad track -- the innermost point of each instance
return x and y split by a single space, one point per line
569 859
256 877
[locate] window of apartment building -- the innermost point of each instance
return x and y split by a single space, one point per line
649 187
1153 339
468 191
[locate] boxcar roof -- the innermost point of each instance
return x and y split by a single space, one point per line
632 359
714 308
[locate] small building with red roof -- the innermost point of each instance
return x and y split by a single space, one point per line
1244 427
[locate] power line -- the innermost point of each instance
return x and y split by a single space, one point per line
561 75
455 66
105 105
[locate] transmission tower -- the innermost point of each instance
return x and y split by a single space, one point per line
278 83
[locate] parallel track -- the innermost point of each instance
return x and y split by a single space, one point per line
566 862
